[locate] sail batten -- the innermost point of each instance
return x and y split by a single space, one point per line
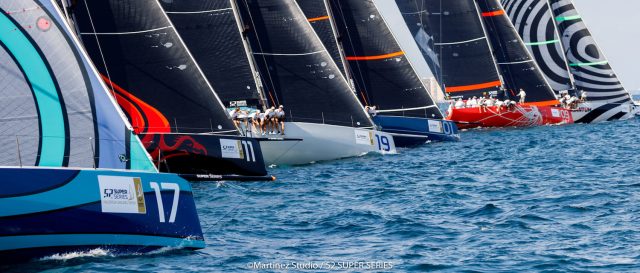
306 80
318 14
534 22
383 75
518 67
589 67
211 31
138 49
56 110
454 44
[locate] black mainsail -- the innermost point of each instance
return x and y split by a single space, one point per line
453 42
383 75
149 69
588 65
534 22
319 16
518 68
162 89
297 70
211 32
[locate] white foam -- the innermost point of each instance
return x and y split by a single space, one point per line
98 252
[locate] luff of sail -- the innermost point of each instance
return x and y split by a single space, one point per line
319 17
534 22
296 68
452 40
210 31
58 116
588 65
148 68
517 66
383 75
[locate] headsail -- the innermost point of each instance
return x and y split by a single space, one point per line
518 68
453 42
55 107
383 75
591 70
297 69
319 15
148 68
534 22
211 32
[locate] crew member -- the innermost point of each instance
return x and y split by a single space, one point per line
583 96
265 121
522 95
235 116
255 120
271 118
499 105
279 116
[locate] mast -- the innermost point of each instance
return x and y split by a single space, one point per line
513 57
320 19
61 114
383 75
343 56
252 62
211 32
452 40
297 69
489 43
564 51
534 22
149 69
590 68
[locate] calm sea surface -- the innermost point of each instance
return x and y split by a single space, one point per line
552 199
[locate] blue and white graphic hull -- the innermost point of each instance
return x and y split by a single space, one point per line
47 211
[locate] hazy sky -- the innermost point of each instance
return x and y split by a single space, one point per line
615 24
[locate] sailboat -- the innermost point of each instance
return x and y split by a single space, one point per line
163 91
212 32
381 73
75 176
479 54
298 72
572 61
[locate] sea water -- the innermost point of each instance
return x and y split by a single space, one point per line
552 198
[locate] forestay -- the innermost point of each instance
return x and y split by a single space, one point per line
55 110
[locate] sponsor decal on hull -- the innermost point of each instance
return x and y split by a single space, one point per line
231 148
120 194
364 137
435 126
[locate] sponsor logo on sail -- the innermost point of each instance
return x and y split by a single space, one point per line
119 194
231 148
